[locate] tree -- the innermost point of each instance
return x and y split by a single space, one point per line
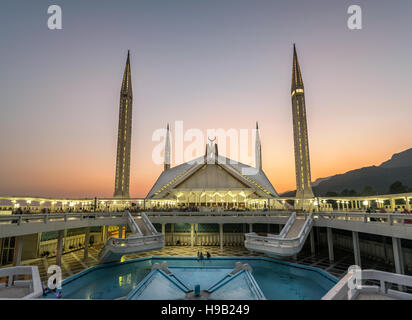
349 193
331 194
397 187
368 191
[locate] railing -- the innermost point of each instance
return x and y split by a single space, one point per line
387 218
34 284
113 243
306 227
57 217
219 214
148 223
205 239
254 241
287 226
70 243
343 291
133 225
131 241
375 218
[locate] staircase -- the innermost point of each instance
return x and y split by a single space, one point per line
295 229
288 243
144 237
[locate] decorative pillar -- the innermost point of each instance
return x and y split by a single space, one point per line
172 231
86 244
393 204
398 255
356 248
250 227
221 235
191 235
59 250
17 251
104 233
120 232
164 228
312 242
330 244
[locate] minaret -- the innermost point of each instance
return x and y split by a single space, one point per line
124 137
258 149
167 150
300 133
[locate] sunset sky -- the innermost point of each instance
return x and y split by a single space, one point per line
211 64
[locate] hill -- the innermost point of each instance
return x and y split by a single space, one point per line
398 168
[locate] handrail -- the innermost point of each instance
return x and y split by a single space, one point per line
35 283
133 225
132 240
282 241
376 218
55 217
341 290
219 213
148 223
307 225
288 225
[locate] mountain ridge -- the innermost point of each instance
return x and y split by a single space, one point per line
397 168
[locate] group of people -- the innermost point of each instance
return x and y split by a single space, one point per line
201 257
382 210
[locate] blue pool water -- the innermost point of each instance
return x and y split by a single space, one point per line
277 280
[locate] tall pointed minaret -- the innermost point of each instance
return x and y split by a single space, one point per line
124 137
167 150
300 133
258 149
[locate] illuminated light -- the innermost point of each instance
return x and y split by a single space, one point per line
365 203
316 203
28 201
